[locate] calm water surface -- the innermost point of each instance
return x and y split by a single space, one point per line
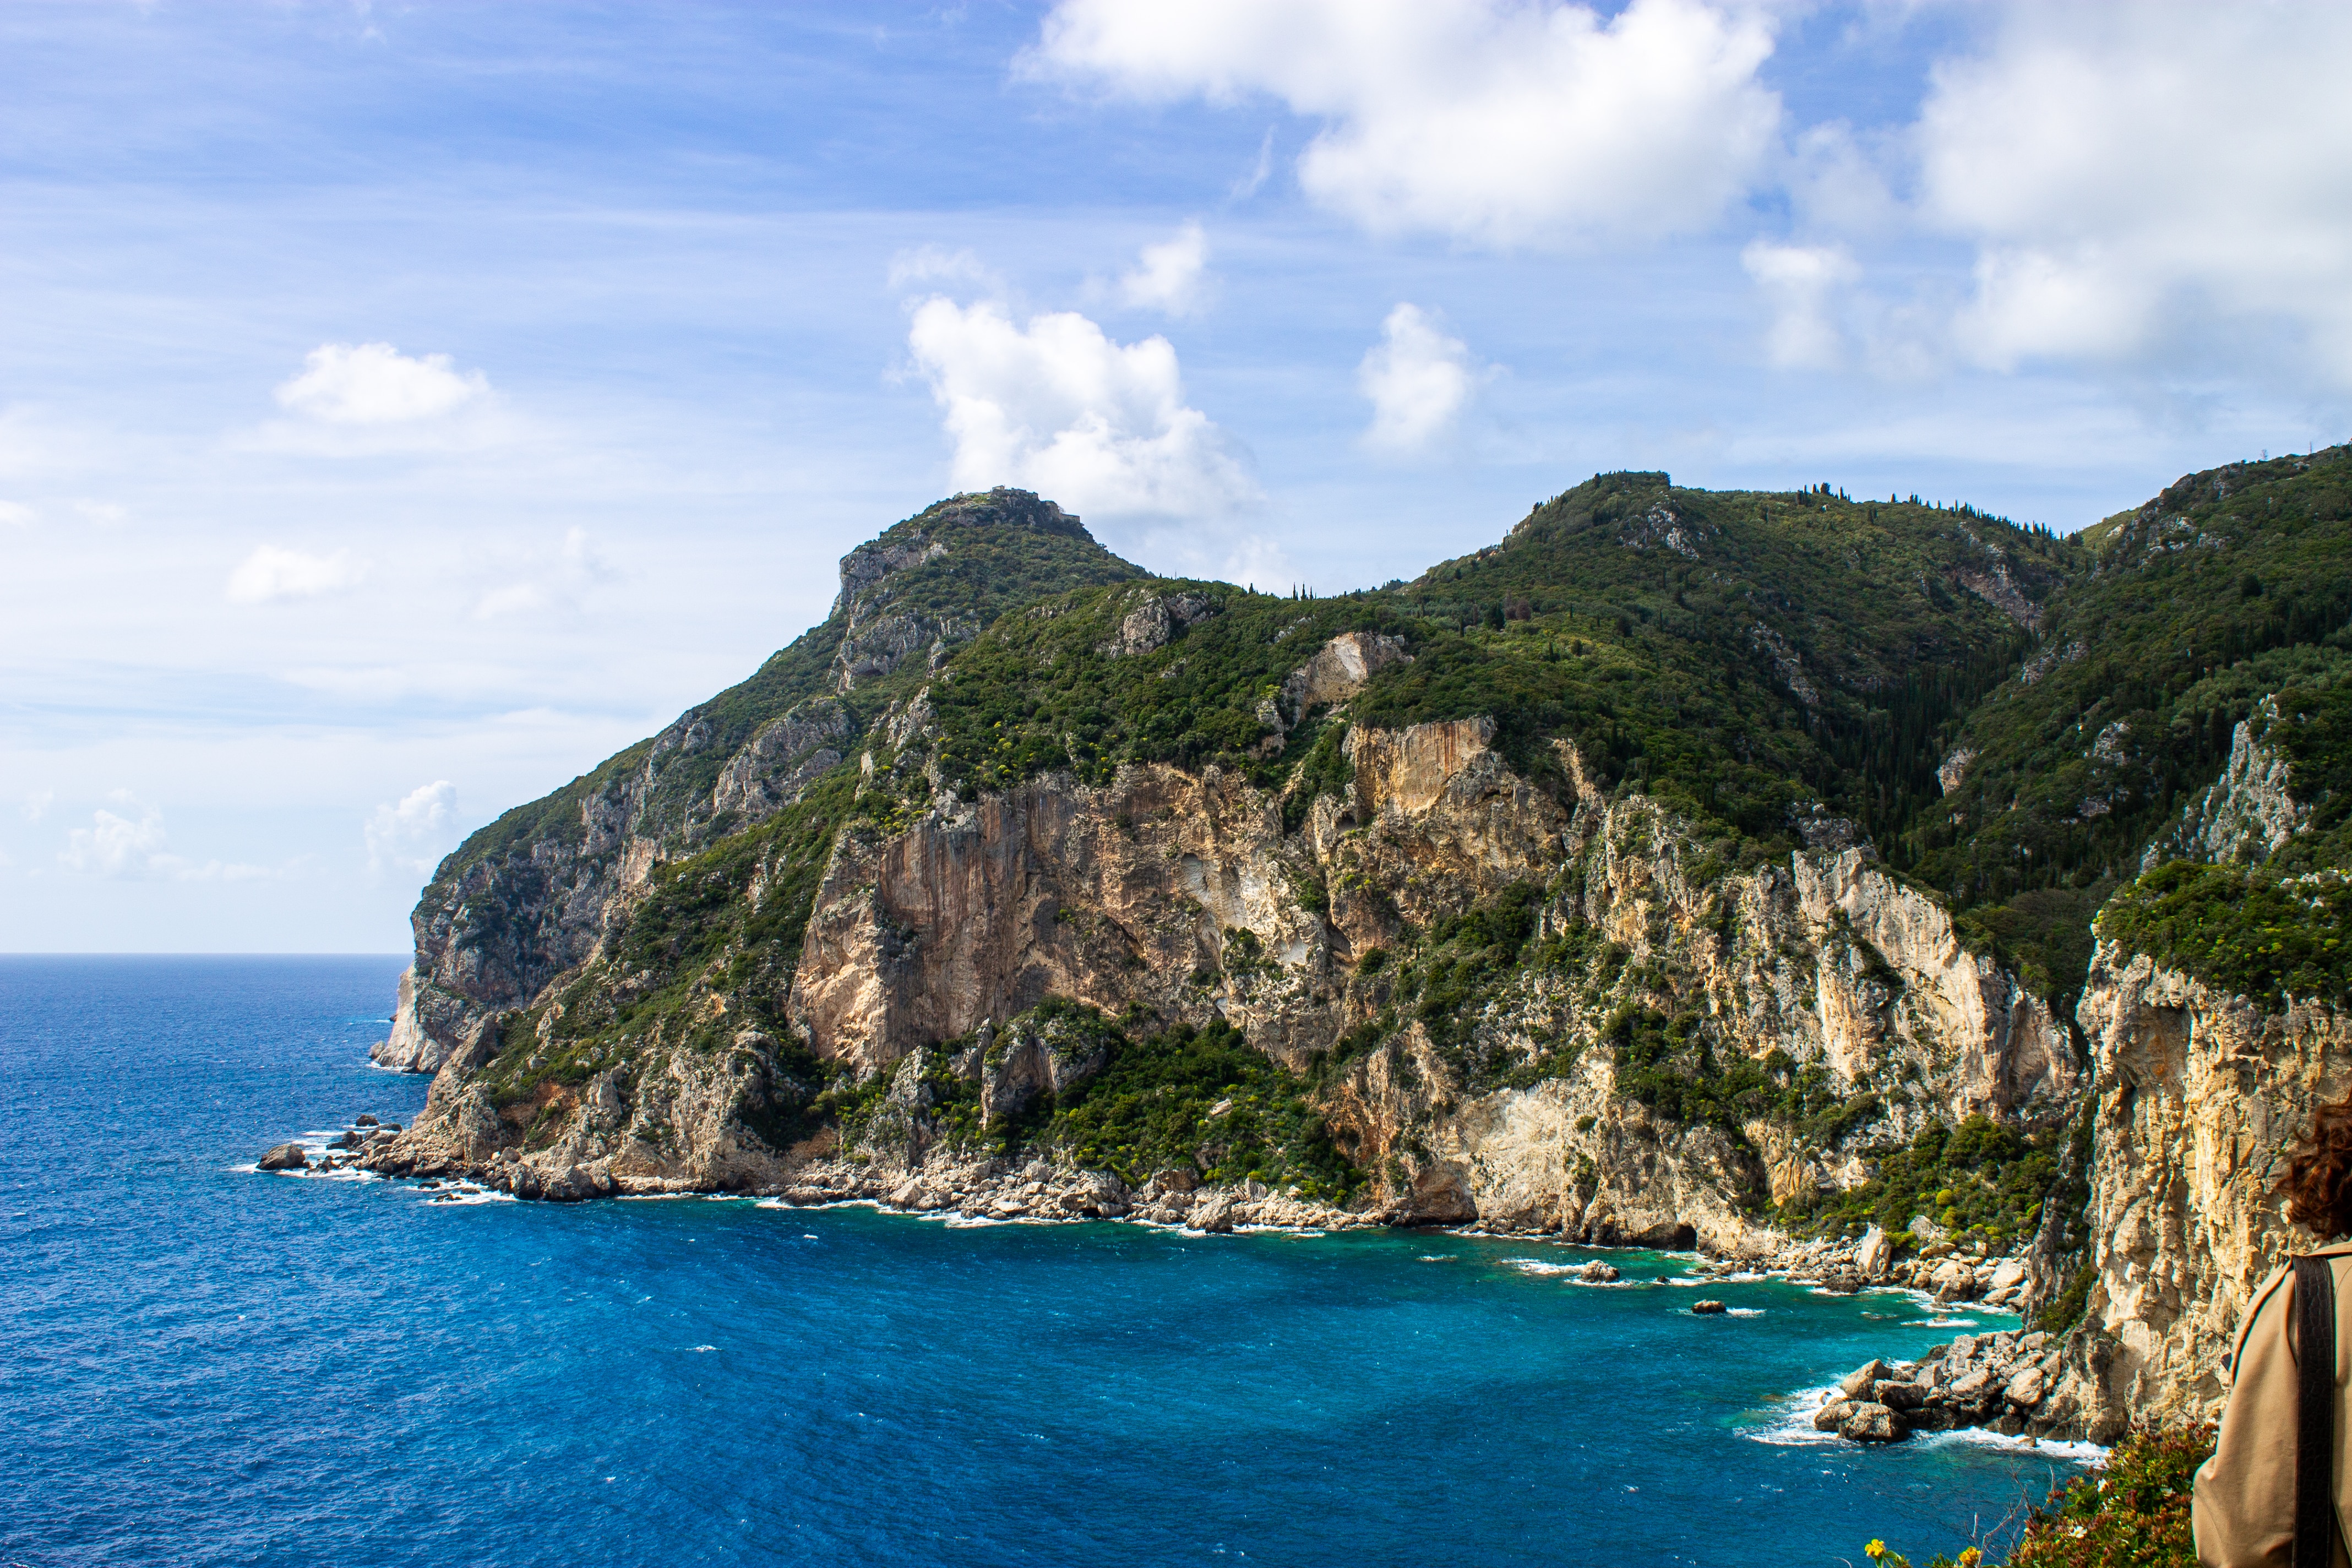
200 1364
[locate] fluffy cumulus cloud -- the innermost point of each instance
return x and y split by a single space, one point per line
271 574
1167 275
2127 173
1418 378
375 384
121 847
1056 405
413 835
1503 122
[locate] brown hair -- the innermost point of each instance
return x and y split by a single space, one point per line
2318 1181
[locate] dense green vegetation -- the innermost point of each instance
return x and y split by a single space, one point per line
1741 654
1202 1100
2174 621
2282 928
1981 1180
2133 1512
1037 693
1670 672
2254 934
1203 1103
1670 1066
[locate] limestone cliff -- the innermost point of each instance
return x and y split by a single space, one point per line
1181 896
2200 1096
535 895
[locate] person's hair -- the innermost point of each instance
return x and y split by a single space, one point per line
2318 1180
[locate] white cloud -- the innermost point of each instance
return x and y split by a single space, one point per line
271 574
1257 561
1056 406
15 514
118 847
1167 275
416 832
937 264
2130 176
1503 122
1419 380
558 582
1801 284
37 804
105 514
375 384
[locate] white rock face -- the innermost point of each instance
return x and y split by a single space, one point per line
2247 814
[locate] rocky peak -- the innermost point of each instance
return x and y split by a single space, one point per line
939 577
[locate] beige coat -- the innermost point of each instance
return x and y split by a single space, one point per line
2244 1508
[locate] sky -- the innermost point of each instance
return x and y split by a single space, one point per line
404 407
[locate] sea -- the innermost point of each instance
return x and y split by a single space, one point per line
203 1364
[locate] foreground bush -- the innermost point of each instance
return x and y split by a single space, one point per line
2132 1514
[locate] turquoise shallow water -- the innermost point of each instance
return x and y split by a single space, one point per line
200 1364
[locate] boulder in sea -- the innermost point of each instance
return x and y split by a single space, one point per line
285 1157
1898 1393
1215 1217
364 1119
1857 1383
1706 1308
1867 1421
1832 1417
1597 1273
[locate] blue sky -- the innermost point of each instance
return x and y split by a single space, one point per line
403 407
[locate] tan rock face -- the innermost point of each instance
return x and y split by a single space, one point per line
2201 1095
2005 1049
1182 894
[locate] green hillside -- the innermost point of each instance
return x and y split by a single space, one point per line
995 551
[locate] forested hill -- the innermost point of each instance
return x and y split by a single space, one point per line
2004 715
1783 668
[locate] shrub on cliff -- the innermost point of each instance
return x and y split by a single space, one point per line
1982 1178
2251 933
2134 1513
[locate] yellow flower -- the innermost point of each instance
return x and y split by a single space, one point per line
1874 1551
1971 1558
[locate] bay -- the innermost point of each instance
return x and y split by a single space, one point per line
204 1364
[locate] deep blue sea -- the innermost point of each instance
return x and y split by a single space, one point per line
201 1364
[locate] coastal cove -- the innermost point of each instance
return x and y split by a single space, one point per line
214 1365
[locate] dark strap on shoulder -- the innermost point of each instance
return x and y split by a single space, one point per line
2315 1412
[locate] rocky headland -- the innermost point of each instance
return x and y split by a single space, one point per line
1879 895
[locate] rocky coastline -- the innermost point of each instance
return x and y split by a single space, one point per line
2011 1382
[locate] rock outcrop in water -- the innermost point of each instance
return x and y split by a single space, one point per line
1685 870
